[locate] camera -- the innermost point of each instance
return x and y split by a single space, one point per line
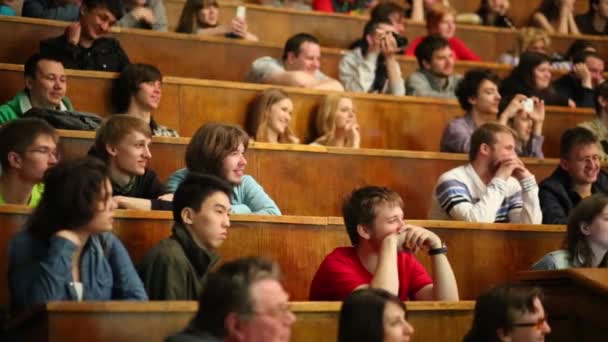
528 105
400 40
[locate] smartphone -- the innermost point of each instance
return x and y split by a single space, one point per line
241 11
528 105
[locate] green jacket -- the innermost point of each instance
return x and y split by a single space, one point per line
176 268
20 104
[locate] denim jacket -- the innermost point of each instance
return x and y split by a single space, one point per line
40 272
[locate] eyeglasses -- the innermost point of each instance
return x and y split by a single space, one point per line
538 324
45 150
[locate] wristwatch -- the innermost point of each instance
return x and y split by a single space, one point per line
441 250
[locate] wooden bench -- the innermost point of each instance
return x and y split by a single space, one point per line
287 171
388 122
153 321
480 254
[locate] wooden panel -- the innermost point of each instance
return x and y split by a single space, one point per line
116 321
389 122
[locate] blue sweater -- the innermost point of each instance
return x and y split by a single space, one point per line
247 198
39 272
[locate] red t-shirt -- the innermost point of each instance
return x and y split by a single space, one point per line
342 271
459 48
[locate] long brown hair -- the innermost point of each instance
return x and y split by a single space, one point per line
326 119
188 20
576 242
257 120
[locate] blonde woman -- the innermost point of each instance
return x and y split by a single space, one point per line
201 17
529 39
337 123
269 118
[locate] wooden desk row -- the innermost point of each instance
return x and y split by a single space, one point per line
480 254
312 180
388 122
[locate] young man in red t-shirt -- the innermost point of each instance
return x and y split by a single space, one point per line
375 224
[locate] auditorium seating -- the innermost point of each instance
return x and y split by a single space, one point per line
480 254
387 122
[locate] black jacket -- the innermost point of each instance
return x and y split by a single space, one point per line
105 54
557 199
146 186
570 87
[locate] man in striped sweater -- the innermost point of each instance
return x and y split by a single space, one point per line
494 187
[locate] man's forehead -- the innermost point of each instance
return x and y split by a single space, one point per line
103 11
310 48
268 290
46 66
44 140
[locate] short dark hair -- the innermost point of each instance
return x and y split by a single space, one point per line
127 84
294 43
573 137
577 47
428 46
114 6
600 91
383 10
362 313
497 309
486 134
210 144
194 190
17 135
582 56
31 65
360 207
227 290
71 192
469 86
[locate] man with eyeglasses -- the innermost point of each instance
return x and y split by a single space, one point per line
242 301
578 176
509 312
28 147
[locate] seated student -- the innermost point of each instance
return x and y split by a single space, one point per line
391 11
478 96
528 128
85 44
587 73
585 243
66 250
494 13
28 147
219 150
123 143
494 187
532 77
382 253
201 17
509 312
299 67
337 123
143 14
529 39
243 301
137 92
556 16
440 21
373 315
176 268
578 176
269 118
7 7
51 9
595 20
45 87
435 76
372 67
599 125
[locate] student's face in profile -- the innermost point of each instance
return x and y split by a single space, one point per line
272 319
528 333
597 231
389 220
49 86
308 60
522 125
149 94
582 164
96 22
442 62
487 100
208 15
279 115
396 328
596 68
447 26
209 225
234 164
102 221
345 113
503 148
36 159
131 154
396 19
542 75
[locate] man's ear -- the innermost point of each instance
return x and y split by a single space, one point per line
426 64
234 327
364 232
29 83
472 100
14 160
290 57
484 149
563 163
602 101
111 150
502 336
187 215
585 229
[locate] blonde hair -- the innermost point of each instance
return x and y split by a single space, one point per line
188 20
326 119
258 118
527 36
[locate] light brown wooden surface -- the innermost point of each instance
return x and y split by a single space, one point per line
152 321
388 122
481 254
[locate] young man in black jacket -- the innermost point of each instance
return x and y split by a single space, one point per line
587 74
84 44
